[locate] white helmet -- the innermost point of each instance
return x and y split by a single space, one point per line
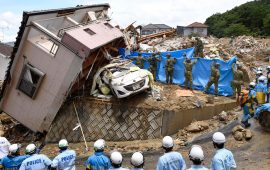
252 85
63 143
167 142
219 138
262 78
259 72
31 148
116 158
99 144
137 159
196 152
13 148
268 67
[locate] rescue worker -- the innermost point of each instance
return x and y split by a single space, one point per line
261 90
188 72
98 160
169 68
258 75
170 160
116 161
66 159
137 161
268 82
4 147
238 78
35 161
223 158
248 105
153 64
14 159
139 61
215 74
196 156
199 48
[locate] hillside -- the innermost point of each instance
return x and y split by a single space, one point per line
251 18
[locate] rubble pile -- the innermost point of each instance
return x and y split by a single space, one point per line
171 44
239 133
13 130
198 128
247 44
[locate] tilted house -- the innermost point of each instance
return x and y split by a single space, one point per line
54 50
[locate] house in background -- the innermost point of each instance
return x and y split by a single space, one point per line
154 28
5 52
53 56
194 28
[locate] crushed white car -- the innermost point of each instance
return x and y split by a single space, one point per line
121 78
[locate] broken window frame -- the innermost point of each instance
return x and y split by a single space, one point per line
27 83
53 50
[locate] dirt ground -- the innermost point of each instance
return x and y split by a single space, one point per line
170 98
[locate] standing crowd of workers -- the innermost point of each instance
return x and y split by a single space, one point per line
171 160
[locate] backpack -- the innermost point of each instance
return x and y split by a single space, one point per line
243 98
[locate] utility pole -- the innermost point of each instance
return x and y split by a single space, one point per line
2 35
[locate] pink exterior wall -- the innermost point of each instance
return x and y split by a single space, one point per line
60 71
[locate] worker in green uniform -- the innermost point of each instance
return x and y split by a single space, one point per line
199 48
169 68
139 61
215 74
153 63
188 72
238 78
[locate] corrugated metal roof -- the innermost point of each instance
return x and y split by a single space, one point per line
197 25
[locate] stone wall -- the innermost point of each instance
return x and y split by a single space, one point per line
114 122
120 122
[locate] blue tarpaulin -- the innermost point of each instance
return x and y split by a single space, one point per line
200 73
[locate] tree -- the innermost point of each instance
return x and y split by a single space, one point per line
266 24
236 30
251 18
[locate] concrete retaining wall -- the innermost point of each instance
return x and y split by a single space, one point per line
119 122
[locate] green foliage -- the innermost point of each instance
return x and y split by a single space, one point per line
251 18
236 30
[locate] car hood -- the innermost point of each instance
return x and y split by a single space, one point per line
130 77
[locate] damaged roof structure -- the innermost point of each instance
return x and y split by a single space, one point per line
53 56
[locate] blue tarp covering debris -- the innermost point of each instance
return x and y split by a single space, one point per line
201 70
264 107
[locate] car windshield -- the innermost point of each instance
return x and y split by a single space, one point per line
122 71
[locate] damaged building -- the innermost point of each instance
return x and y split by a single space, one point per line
53 56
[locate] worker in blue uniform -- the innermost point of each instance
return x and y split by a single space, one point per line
248 105
35 161
137 161
196 156
13 160
261 90
268 83
98 160
223 158
116 161
66 159
170 160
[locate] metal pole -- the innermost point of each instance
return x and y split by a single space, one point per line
86 147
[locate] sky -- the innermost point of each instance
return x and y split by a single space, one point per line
123 12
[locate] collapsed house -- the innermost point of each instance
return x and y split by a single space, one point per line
54 55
